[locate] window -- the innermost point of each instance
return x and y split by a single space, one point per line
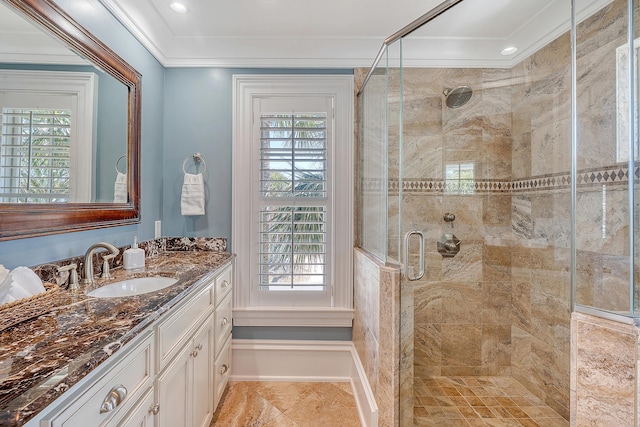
46 136
292 200
34 155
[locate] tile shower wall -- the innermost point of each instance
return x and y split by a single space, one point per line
375 335
605 387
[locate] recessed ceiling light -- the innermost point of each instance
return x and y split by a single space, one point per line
509 50
178 7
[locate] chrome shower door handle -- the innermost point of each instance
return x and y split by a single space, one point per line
407 238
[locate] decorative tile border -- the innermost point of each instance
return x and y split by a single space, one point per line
615 175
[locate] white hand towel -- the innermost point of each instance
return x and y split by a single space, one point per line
28 280
192 201
5 287
15 293
4 275
120 188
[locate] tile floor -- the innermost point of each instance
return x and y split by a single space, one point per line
479 401
438 402
281 404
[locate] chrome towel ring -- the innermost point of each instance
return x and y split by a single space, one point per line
197 158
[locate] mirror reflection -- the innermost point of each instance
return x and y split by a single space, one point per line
63 135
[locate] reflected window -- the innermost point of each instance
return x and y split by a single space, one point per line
47 136
34 155
459 178
622 101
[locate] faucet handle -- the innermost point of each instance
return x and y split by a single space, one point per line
73 280
105 266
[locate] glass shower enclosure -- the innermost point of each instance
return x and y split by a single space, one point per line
495 176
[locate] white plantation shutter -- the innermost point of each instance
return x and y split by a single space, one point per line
292 200
293 197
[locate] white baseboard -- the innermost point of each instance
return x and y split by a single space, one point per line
305 361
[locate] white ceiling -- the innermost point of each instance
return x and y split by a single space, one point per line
323 34
341 33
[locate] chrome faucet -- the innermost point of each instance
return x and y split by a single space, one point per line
88 259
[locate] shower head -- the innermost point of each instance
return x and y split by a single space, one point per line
456 98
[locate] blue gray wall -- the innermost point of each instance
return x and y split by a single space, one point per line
94 17
198 118
184 110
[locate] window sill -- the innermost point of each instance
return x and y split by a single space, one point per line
284 316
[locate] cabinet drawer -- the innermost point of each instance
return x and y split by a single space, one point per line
224 283
133 373
222 372
172 332
223 323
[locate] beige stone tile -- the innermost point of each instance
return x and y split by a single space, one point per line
284 395
439 422
502 422
468 412
444 401
420 412
325 406
282 421
516 412
242 406
461 344
344 386
485 412
475 401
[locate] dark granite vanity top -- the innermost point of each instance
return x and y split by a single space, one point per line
43 357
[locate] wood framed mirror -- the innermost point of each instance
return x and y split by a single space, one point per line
27 219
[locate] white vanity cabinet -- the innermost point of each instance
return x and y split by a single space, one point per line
171 375
223 310
104 396
184 388
191 356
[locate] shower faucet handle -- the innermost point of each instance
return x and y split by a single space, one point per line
449 217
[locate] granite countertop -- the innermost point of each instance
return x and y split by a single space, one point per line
43 357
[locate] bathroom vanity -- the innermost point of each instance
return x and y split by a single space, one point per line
162 358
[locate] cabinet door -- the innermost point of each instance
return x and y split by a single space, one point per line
203 343
173 389
141 415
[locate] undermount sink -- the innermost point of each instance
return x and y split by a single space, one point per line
129 287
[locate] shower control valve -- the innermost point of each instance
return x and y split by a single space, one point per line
448 245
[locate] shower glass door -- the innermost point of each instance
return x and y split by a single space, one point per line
479 161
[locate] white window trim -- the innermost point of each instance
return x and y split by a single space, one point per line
82 86
246 87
